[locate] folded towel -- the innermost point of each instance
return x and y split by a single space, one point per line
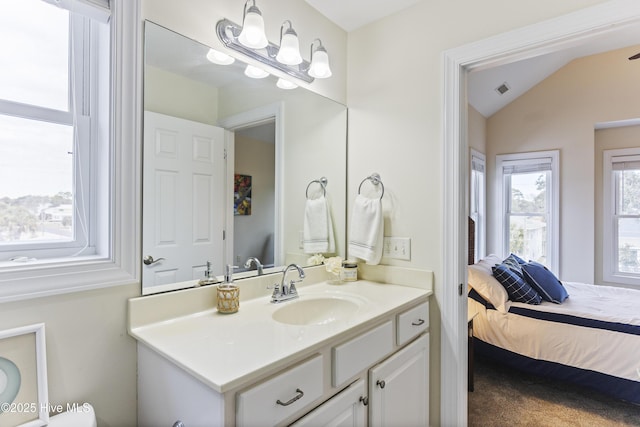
318 235
367 230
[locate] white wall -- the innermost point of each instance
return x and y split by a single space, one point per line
560 113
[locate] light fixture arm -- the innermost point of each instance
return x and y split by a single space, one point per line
228 33
244 11
290 30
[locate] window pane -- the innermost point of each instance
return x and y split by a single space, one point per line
628 192
528 237
36 178
34 52
628 245
528 193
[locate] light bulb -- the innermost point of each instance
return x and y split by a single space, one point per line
255 72
219 58
252 34
286 84
319 67
289 52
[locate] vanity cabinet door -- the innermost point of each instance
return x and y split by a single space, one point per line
399 387
345 409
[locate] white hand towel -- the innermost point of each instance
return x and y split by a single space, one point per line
318 235
367 230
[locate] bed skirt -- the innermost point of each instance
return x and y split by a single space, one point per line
619 388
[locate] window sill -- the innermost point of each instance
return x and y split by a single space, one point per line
622 279
53 277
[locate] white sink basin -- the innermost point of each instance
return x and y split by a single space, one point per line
317 310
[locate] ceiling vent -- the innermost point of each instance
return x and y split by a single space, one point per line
503 88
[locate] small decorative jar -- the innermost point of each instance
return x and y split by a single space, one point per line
228 299
349 271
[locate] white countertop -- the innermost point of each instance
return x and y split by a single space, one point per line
226 351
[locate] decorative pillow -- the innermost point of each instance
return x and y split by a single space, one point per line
488 287
517 258
513 263
517 288
544 282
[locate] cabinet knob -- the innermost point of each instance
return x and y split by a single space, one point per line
364 400
178 424
418 322
299 394
380 383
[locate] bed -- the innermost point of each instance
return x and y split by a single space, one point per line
591 338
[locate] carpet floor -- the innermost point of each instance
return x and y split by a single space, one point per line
505 397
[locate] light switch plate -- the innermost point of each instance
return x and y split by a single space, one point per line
397 248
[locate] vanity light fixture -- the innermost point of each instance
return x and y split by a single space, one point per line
286 84
289 52
219 58
255 72
285 58
319 67
252 34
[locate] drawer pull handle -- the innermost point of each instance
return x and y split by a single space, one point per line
364 400
418 323
299 394
380 383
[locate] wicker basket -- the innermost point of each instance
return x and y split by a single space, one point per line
228 299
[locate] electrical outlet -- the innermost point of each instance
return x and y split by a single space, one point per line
301 240
397 248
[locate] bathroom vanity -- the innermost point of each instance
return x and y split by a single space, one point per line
356 352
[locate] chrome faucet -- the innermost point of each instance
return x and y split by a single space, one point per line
256 261
282 292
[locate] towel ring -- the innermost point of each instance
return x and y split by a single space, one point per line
375 180
323 183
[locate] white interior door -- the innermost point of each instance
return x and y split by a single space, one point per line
183 202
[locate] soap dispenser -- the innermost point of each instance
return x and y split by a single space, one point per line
208 278
228 293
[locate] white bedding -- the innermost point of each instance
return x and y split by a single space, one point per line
610 352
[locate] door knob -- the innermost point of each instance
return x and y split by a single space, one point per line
148 260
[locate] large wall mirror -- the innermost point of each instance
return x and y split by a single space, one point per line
229 162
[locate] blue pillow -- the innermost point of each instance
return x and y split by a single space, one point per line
517 258
517 288
545 282
513 263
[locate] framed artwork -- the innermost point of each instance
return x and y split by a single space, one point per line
23 377
242 194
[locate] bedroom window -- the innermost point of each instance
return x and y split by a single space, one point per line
50 140
477 202
622 216
529 186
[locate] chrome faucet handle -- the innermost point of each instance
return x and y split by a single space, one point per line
292 287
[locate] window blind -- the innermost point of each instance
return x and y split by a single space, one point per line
540 166
625 163
99 10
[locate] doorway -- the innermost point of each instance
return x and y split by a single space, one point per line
579 27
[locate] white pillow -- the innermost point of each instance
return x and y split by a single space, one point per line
481 279
489 261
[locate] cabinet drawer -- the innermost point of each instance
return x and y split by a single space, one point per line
361 352
412 323
280 397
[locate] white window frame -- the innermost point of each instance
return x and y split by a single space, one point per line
119 262
83 118
553 200
478 200
610 271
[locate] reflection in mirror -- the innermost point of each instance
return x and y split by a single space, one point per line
228 155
